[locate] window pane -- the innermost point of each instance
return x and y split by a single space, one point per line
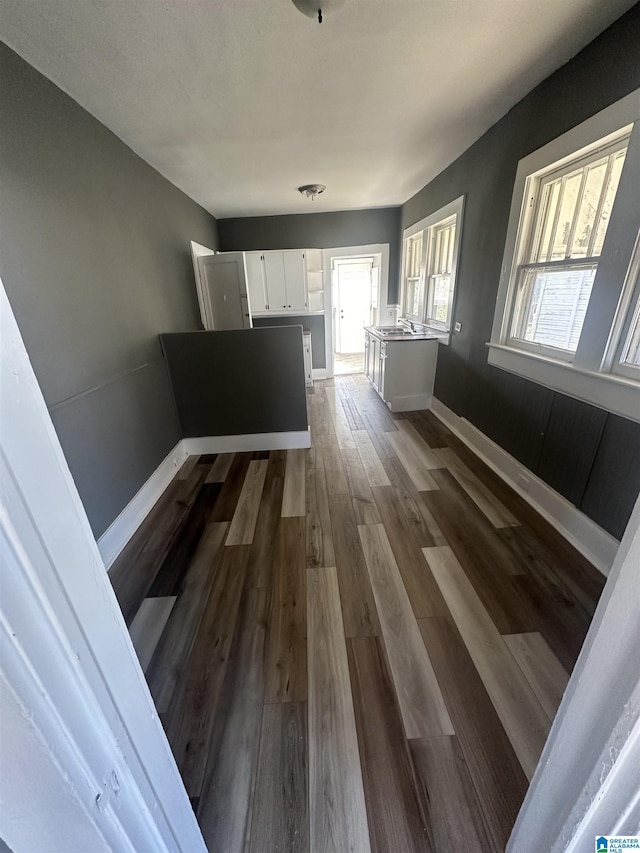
568 204
441 292
589 203
609 198
552 304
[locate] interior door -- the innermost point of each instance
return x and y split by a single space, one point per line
353 292
225 291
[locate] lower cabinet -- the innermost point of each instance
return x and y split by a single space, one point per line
308 359
402 372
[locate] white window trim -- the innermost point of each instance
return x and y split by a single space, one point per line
588 377
454 208
627 316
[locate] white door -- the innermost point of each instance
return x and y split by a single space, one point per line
225 291
255 282
353 302
275 281
295 280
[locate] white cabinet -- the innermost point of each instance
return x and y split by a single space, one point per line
277 282
256 283
402 372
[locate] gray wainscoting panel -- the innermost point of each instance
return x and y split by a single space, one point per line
115 437
614 482
570 445
313 324
238 382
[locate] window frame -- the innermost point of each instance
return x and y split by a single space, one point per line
450 213
590 374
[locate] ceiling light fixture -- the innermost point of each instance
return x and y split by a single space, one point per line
312 190
317 8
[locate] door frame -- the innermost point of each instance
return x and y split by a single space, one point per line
94 769
336 290
328 255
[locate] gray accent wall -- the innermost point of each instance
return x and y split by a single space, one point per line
94 256
590 456
238 382
318 231
313 323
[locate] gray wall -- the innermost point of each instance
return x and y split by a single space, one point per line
94 255
318 231
590 456
238 382
313 323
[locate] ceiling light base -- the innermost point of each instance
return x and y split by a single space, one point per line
312 190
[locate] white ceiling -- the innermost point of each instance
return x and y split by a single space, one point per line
238 102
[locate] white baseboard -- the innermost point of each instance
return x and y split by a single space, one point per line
412 403
244 443
116 536
319 373
598 546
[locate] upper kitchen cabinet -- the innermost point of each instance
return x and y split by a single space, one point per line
277 282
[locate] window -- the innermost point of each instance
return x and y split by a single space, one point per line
567 313
431 249
561 248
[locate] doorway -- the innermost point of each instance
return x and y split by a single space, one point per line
355 282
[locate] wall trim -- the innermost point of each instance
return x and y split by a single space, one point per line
250 441
598 546
116 536
319 373
410 403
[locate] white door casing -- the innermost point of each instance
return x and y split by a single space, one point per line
94 769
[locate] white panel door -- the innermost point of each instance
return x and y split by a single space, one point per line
255 282
225 291
295 280
275 281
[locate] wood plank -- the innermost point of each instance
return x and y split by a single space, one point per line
371 463
178 636
220 468
484 499
489 564
520 712
265 538
194 707
544 672
319 537
170 576
496 772
338 816
148 625
293 500
361 495
334 469
425 454
245 517
340 422
453 814
411 462
231 488
358 605
393 808
224 810
286 656
423 709
424 593
281 805
353 415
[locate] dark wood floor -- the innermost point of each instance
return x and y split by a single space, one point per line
356 647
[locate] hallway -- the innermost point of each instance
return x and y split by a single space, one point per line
356 647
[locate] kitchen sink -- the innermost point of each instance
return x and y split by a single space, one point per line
393 330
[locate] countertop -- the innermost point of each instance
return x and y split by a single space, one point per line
426 336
